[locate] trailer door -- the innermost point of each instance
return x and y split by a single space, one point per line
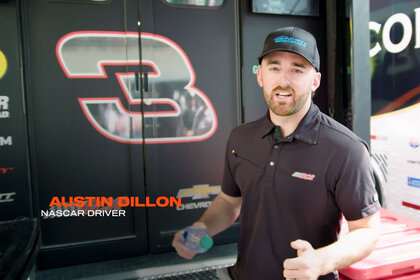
80 55
193 52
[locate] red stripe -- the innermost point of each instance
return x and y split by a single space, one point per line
400 101
414 206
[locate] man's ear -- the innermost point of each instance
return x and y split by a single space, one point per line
259 76
316 82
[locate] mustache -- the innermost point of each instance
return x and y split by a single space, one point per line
280 88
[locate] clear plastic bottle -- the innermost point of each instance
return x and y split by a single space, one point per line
197 239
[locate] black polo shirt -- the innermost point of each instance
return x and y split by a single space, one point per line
294 188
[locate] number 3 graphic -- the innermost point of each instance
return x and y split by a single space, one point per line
176 111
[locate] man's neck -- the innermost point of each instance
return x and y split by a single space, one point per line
288 124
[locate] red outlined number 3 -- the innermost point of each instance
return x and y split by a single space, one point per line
176 111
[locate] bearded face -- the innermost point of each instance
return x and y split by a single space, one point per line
284 101
287 80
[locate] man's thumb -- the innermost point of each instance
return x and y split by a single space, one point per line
301 246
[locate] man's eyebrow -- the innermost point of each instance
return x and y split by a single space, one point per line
271 61
300 65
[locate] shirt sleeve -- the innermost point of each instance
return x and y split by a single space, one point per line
229 185
355 191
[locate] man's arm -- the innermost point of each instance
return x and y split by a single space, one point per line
358 243
219 216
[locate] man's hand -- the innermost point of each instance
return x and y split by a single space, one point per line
306 266
358 243
179 246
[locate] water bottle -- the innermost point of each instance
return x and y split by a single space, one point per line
197 239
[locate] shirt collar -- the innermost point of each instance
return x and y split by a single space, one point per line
307 130
267 126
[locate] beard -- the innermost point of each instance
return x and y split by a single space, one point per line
287 107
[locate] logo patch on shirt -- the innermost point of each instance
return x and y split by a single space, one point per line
304 176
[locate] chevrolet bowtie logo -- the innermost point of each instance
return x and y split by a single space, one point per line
199 191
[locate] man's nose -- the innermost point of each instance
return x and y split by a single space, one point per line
283 79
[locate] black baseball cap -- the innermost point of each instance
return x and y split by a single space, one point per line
292 39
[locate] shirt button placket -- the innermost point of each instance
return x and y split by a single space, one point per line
272 162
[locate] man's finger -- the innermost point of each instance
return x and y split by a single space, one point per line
291 273
180 248
301 246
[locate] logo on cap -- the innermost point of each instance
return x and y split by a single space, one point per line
287 39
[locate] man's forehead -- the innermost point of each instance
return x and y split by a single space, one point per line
275 57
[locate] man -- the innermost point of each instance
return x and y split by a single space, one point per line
291 175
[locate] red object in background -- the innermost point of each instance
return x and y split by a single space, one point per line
411 276
397 254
